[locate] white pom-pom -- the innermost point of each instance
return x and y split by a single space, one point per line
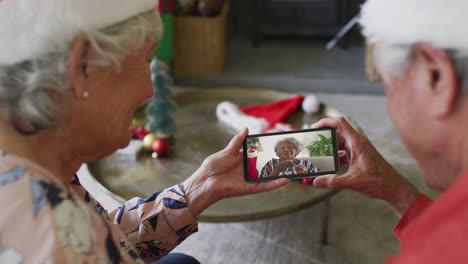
311 104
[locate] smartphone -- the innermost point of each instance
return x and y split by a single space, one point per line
293 154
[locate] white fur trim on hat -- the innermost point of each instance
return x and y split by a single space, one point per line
31 27
440 23
231 115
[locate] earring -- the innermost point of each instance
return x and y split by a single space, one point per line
85 94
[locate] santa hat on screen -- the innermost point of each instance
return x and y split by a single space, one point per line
266 118
33 27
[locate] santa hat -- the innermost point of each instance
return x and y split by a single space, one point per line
32 27
266 118
441 23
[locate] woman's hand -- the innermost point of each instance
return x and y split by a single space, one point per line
369 173
221 176
280 167
301 169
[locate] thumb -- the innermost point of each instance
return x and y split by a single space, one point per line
329 181
236 142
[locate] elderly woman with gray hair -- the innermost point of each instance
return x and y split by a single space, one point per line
72 73
287 149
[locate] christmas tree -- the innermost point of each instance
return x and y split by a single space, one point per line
160 110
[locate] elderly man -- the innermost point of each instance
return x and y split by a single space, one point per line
421 54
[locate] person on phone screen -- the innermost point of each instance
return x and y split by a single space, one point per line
287 149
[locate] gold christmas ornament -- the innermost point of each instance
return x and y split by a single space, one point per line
162 135
148 141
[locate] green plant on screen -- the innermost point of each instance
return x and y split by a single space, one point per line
321 147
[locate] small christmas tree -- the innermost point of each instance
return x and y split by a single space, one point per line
160 110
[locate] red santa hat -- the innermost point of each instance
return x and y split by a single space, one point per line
266 118
32 27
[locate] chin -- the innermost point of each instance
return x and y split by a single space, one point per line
434 185
124 141
433 181
118 141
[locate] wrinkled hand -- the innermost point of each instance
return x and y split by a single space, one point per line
369 173
301 169
220 176
280 167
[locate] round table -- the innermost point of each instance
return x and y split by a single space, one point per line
198 135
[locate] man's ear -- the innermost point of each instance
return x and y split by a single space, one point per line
441 77
77 67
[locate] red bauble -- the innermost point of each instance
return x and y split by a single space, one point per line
161 147
138 131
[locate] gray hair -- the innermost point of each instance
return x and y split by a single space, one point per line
298 145
393 61
28 89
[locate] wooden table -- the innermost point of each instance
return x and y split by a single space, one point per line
200 134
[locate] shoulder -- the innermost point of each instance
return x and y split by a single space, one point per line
27 191
40 218
271 162
22 189
446 219
26 222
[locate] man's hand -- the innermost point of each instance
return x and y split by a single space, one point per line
221 176
369 173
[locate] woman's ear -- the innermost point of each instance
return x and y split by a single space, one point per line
441 78
77 67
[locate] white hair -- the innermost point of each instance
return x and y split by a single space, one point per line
297 144
28 89
393 61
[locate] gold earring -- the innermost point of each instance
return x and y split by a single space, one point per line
85 94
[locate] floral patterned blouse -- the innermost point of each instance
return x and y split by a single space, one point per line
43 220
291 170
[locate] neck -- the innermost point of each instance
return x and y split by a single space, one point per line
453 154
463 154
46 148
54 154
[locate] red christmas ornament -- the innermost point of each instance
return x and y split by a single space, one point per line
138 131
308 180
166 6
161 147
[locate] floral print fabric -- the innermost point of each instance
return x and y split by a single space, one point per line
291 170
43 220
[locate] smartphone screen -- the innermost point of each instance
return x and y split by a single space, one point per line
292 154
